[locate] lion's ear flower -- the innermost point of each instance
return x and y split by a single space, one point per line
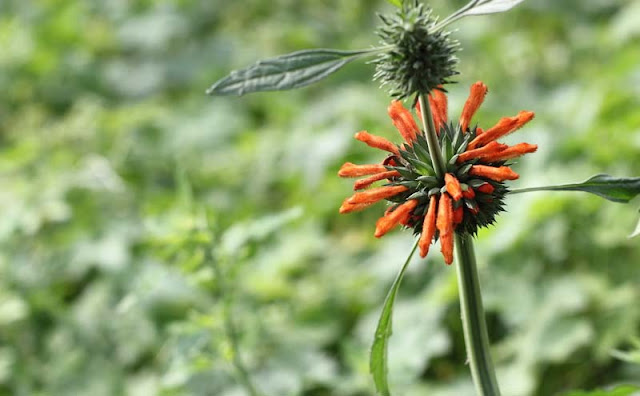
471 193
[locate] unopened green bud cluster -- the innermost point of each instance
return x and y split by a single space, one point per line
419 59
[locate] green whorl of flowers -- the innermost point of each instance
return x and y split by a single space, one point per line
420 59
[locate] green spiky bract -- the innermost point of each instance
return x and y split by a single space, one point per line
420 59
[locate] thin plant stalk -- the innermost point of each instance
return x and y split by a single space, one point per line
429 127
473 319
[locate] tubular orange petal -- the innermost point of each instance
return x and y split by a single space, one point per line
377 142
486 188
364 183
458 215
438 104
403 121
469 194
505 126
375 194
491 148
498 174
428 227
444 223
353 170
392 219
476 97
348 207
453 186
510 152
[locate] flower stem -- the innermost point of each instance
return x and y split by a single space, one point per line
432 137
473 321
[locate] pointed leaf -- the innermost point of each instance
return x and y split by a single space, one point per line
616 189
492 7
289 71
397 3
378 357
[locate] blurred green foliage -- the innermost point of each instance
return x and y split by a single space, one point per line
157 241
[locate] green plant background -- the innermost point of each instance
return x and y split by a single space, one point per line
117 176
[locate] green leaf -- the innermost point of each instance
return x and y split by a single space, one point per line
397 3
479 7
616 189
625 390
289 71
492 7
378 357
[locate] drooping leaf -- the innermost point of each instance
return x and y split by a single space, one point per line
289 71
492 6
378 357
625 390
616 189
397 3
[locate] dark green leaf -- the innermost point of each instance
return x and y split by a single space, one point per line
616 189
378 357
289 71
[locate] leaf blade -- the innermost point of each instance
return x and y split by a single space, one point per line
378 356
289 71
492 7
615 189
636 232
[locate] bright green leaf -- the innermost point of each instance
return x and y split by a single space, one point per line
625 390
378 358
284 72
397 3
616 189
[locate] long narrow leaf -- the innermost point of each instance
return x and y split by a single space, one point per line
289 71
616 189
378 357
492 7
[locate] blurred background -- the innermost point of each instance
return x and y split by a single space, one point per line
155 241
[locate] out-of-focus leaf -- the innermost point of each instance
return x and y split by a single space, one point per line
378 358
616 189
625 390
397 3
636 232
284 72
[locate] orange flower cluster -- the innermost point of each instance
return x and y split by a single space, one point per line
435 207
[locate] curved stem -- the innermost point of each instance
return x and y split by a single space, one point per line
473 321
432 137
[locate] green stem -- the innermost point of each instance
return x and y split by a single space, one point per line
431 135
473 321
230 328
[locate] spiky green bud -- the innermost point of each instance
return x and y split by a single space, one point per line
420 59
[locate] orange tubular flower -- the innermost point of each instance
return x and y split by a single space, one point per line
476 97
428 227
453 186
471 193
392 219
444 223
403 120
377 142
